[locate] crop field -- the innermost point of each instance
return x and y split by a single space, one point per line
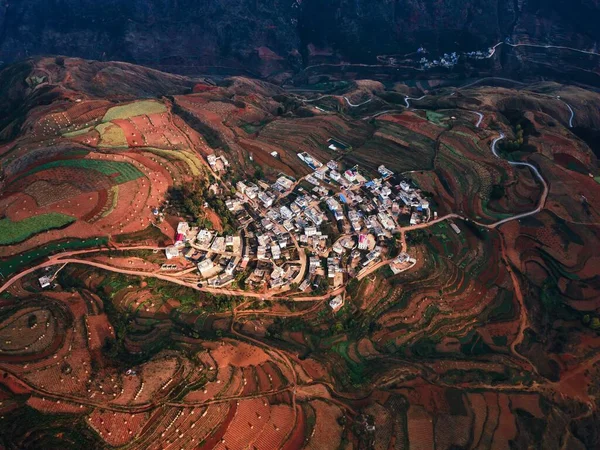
450 295
399 148
111 136
118 171
140 108
310 135
13 264
194 165
14 232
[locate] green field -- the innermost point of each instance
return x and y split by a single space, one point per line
18 262
436 118
134 109
14 232
125 172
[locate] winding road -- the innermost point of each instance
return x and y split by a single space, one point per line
570 109
536 173
350 104
407 99
481 116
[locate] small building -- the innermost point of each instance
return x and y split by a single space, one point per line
276 251
241 187
336 303
363 242
286 213
304 285
205 266
455 228
171 252
350 175
266 199
204 237
385 172
314 263
45 281
183 227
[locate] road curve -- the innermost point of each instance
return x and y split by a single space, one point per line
407 98
352 105
570 110
481 116
536 173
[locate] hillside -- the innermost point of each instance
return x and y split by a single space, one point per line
278 39
200 263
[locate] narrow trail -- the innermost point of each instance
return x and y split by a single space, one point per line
523 317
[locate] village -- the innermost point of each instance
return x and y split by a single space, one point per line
307 235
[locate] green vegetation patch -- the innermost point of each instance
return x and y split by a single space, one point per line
120 172
78 132
14 232
18 262
436 118
134 109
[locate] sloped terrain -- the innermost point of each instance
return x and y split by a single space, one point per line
488 340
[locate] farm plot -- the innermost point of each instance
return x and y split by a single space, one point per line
462 284
15 232
120 172
310 135
396 146
327 433
111 136
16 263
139 108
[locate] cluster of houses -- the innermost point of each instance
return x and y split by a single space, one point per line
313 232
480 54
217 163
216 257
447 60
